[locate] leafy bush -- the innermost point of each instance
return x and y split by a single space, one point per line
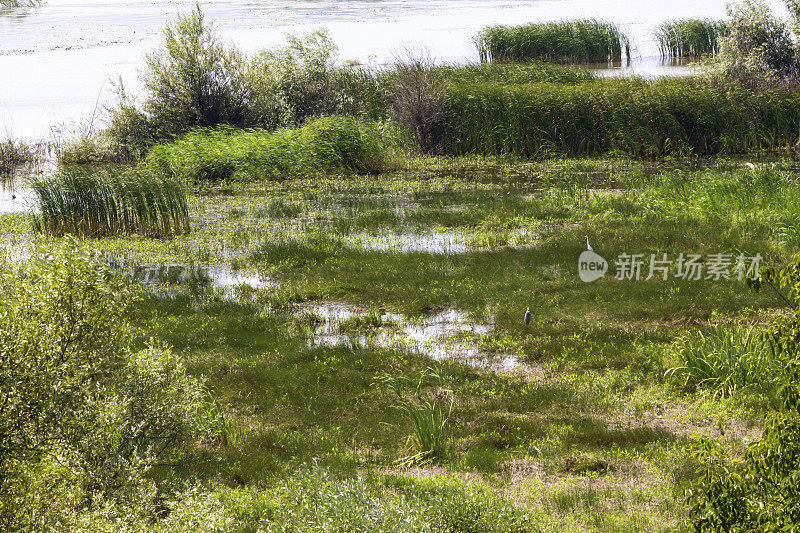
567 41
194 80
758 47
326 144
292 83
759 491
84 416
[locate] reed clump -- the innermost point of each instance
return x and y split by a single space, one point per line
566 41
323 145
100 203
16 153
635 116
690 37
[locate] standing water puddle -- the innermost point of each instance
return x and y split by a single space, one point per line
164 279
449 334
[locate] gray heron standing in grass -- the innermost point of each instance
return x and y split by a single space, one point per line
527 316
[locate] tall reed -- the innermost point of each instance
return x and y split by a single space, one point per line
636 116
566 41
326 144
689 37
100 203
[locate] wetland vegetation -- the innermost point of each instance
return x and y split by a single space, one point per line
282 294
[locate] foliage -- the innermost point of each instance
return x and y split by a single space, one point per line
194 80
325 144
81 409
300 80
97 203
426 414
636 116
758 47
566 41
760 491
689 37
313 499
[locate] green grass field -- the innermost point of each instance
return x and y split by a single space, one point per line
433 266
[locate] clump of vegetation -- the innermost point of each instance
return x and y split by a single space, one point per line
759 489
99 203
195 81
689 37
326 144
427 415
511 73
724 360
758 46
567 41
639 117
85 415
14 154
21 3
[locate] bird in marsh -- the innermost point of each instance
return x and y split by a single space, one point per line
751 166
588 246
527 316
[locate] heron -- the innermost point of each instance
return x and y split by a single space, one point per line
588 246
527 316
751 166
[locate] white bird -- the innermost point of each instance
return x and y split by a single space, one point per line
751 166
588 246
527 316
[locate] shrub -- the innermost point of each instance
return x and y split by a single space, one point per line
292 83
98 203
326 144
567 41
758 47
689 37
84 416
194 80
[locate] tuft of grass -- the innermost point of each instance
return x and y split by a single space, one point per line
635 116
323 145
109 202
689 37
566 41
427 415
724 360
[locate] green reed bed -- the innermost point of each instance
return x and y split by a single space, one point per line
15 153
566 41
99 203
323 145
689 37
635 116
512 73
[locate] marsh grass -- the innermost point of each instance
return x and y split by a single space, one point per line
100 203
14 154
635 116
566 41
724 360
323 145
689 37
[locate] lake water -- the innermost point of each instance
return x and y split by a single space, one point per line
56 61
